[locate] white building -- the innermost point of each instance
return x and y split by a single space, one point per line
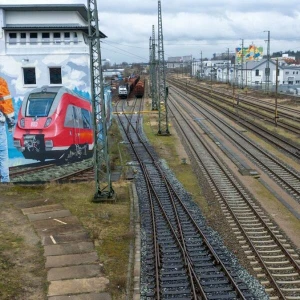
44 45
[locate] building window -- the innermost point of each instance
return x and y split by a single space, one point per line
75 38
29 75
278 72
67 37
23 38
12 38
294 72
55 75
297 81
33 37
45 37
256 72
287 72
56 37
297 72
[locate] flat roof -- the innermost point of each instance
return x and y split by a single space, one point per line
80 8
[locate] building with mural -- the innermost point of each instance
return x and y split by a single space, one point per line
251 53
44 45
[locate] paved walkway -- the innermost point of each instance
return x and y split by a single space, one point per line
72 264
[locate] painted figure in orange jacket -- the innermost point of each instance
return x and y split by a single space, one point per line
7 115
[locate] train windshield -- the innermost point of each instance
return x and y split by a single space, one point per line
39 104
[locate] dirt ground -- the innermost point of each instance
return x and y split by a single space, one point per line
22 273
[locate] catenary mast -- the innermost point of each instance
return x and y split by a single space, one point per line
103 183
163 127
154 73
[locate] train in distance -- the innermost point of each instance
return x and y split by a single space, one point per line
54 123
129 84
139 89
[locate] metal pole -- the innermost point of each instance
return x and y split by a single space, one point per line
267 70
201 66
276 92
242 68
228 65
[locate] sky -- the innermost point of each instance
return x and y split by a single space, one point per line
192 26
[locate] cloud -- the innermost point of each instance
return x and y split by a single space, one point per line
191 26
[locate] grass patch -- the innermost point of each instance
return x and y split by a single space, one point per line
10 273
167 148
108 224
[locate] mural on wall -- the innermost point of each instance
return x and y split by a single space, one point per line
252 53
52 122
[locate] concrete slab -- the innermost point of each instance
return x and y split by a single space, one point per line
74 272
41 209
33 203
49 215
77 286
66 238
66 229
71 248
98 296
71 260
56 222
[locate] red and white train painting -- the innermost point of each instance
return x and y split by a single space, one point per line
54 123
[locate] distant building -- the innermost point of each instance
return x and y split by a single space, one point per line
179 61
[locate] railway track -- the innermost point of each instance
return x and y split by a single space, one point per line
285 111
282 174
41 174
180 258
273 258
289 122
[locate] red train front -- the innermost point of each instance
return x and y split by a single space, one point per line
54 123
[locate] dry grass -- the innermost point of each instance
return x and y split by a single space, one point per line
167 148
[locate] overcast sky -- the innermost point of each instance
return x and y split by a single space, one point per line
191 26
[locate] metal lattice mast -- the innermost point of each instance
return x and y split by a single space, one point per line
154 73
163 127
101 158
267 70
150 63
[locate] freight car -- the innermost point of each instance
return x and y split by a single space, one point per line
54 123
139 89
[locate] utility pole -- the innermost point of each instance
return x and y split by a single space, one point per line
267 70
227 66
150 66
154 73
242 65
201 66
163 126
102 170
155 96
276 93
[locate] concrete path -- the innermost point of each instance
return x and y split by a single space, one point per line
72 264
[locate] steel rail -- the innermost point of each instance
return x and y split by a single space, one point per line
294 263
182 245
268 156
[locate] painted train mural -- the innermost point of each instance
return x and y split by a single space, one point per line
53 121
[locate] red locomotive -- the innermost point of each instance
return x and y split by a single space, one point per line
54 123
